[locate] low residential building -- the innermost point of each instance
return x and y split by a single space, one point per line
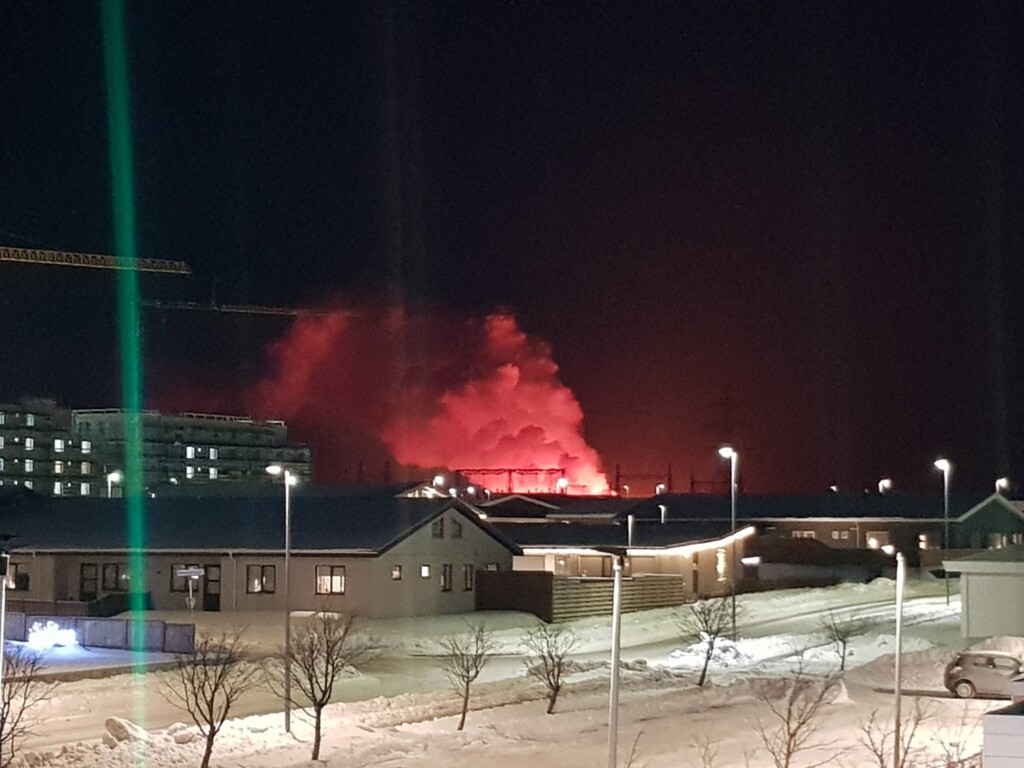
371 555
990 583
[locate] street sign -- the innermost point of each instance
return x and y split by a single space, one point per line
189 573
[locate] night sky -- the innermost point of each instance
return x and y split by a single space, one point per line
795 227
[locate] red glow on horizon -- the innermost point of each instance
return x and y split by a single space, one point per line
430 392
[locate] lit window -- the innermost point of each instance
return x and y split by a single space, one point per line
58 445
30 443
30 419
425 571
260 579
835 535
446 577
87 446
57 487
213 473
58 467
190 472
1 440
29 484
720 565
115 577
330 579
491 567
86 467
190 452
3 417
468 571
846 535
214 453
1 463
30 465
84 489
396 572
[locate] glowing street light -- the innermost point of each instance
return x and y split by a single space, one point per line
885 484
289 481
1002 484
946 468
727 452
562 484
113 477
438 481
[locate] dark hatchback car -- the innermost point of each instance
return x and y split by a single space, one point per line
982 673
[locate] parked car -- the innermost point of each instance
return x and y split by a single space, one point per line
982 673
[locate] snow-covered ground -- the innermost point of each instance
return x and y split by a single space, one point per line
397 712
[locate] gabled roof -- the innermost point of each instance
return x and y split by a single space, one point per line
1013 507
830 506
994 561
361 525
645 534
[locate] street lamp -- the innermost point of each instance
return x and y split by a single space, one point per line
946 468
113 477
727 452
885 484
1002 484
289 481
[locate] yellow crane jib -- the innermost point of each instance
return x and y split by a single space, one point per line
91 261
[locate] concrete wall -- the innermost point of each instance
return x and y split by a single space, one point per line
986 611
109 633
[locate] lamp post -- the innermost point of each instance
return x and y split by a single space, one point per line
727 452
944 466
113 477
289 481
613 685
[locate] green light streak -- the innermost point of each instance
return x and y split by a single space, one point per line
119 129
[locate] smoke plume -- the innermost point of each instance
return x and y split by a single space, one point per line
428 391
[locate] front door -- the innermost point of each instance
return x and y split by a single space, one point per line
211 588
88 582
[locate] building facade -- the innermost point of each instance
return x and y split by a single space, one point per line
40 451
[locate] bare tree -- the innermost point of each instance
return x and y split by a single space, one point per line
23 688
705 621
548 646
877 735
210 680
840 633
321 650
464 659
796 715
958 745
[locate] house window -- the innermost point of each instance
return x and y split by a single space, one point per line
437 528
30 419
3 417
190 472
180 583
720 565
877 539
213 473
260 578
804 535
425 571
84 489
491 567
86 467
1 441
115 577
58 467
1 463
924 541
456 529
17 577
190 451
214 453
29 466
30 443
396 573
330 579
58 445
468 572
446 577
835 535
57 487
846 535
87 446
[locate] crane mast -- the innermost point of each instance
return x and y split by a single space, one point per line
91 261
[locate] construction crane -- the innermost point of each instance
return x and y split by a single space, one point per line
244 309
91 261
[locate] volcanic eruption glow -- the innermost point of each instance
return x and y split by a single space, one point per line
435 392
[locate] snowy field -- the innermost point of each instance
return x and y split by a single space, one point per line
398 713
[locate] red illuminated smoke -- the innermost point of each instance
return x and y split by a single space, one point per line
431 391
